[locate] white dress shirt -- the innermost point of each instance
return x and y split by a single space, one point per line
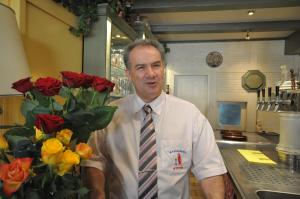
185 140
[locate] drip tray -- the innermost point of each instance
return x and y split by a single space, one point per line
266 174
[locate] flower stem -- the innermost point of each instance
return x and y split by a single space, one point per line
94 95
106 96
52 106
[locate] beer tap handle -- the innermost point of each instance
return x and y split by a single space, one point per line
258 99
277 99
269 98
263 92
277 91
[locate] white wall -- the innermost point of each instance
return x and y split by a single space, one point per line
225 80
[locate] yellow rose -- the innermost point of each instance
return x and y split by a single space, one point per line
3 142
51 151
84 150
68 159
64 136
39 135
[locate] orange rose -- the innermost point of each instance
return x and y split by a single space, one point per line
14 174
64 136
68 159
84 150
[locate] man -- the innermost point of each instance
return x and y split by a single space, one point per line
147 151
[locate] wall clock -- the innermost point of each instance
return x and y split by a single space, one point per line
214 59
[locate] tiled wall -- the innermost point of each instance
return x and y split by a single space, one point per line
225 80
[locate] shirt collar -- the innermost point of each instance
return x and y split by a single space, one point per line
156 104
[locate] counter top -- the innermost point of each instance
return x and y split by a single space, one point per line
251 177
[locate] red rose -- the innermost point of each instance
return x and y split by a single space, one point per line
14 174
72 79
48 123
23 85
100 84
88 80
48 86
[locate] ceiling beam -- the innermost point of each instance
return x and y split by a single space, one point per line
146 6
226 27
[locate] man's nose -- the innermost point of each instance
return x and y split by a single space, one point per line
150 72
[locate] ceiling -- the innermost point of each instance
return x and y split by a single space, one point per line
219 20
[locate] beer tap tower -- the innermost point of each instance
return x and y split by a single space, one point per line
287 104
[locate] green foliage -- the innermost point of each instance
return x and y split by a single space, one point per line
86 11
83 110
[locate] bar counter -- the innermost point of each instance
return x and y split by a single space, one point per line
254 179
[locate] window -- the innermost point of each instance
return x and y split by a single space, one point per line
231 115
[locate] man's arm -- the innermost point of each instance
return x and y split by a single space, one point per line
94 179
213 187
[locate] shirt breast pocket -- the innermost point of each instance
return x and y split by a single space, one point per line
175 156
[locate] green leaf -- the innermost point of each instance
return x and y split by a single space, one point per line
103 116
100 99
79 117
70 104
42 99
65 92
41 110
85 96
20 131
20 146
30 118
57 106
27 106
83 191
100 118
32 195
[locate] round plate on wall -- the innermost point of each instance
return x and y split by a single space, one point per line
214 59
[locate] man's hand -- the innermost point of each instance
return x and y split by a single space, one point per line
213 187
94 179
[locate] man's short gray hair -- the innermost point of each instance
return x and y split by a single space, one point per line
143 42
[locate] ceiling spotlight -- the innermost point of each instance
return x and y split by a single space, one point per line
118 36
251 12
247 37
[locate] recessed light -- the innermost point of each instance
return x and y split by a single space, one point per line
118 36
251 12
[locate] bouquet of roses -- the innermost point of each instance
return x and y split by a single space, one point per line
40 158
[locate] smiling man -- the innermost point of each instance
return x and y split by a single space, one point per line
154 139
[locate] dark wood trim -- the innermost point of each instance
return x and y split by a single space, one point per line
227 27
223 40
144 6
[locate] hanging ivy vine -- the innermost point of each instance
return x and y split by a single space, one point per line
87 13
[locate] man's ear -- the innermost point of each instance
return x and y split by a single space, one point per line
127 72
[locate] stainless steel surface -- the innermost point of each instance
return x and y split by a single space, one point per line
293 161
249 178
276 195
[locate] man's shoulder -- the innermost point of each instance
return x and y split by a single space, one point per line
182 107
124 104
124 101
176 101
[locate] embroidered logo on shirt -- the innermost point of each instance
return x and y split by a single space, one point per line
178 156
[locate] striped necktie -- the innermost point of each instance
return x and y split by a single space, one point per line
147 158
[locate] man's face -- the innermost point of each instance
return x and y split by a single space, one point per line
146 72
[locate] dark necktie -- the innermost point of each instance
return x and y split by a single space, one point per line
147 158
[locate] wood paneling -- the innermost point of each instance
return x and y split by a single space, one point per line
11 114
